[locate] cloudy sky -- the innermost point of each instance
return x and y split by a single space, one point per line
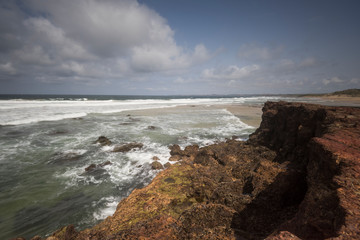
166 47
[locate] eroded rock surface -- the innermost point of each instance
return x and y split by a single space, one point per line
297 177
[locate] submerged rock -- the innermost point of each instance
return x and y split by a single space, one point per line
103 141
127 147
295 178
93 166
90 167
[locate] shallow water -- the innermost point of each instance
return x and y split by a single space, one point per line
46 145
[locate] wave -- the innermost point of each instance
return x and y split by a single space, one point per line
15 112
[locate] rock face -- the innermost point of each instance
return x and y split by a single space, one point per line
297 177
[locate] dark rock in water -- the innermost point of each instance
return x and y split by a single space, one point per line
167 165
90 167
126 123
127 147
105 163
61 158
151 127
156 165
155 158
58 132
297 177
103 141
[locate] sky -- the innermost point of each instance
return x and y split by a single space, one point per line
183 47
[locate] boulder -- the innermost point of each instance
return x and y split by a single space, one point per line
156 165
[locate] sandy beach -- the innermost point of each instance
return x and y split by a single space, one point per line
249 114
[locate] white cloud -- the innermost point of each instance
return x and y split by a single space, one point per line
98 39
255 52
231 72
54 38
355 80
34 54
328 81
308 62
7 68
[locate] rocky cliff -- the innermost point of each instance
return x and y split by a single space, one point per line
297 177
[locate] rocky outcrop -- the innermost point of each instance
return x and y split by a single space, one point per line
297 177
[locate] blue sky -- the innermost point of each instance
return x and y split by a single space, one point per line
167 47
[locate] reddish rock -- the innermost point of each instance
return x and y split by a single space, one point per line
156 165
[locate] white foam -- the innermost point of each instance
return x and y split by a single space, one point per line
14 112
109 209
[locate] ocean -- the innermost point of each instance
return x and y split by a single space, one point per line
47 141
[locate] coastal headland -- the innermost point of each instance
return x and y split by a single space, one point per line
297 177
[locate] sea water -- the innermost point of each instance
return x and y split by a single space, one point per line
46 142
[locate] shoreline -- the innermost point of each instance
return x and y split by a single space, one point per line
248 114
224 190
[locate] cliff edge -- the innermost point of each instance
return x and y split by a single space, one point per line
297 177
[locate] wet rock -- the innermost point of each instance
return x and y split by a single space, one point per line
90 167
105 163
93 166
58 132
155 158
167 165
156 165
151 127
127 147
62 158
103 141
